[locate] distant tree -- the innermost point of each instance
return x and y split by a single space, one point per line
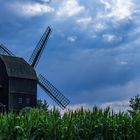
42 106
134 105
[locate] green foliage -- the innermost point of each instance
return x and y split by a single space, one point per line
134 105
95 124
42 106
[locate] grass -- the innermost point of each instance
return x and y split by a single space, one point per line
95 124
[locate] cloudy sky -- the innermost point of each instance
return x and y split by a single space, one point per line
93 53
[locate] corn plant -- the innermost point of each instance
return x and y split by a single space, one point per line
95 124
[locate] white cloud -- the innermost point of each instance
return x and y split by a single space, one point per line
78 106
93 36
84 21
118 9
46 0
69 8
99 26
72 39
117 106
31 9
123 62
107 4
111 37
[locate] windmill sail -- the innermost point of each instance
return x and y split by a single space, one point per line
39 48
5 51
56 95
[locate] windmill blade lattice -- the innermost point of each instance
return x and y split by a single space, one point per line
56 95
5 51
39 48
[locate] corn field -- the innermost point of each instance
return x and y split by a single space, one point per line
95 124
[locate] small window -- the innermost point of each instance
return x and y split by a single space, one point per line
20 100
28 100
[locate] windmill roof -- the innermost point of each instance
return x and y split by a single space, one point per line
18 67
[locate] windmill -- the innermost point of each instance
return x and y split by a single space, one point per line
18 79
